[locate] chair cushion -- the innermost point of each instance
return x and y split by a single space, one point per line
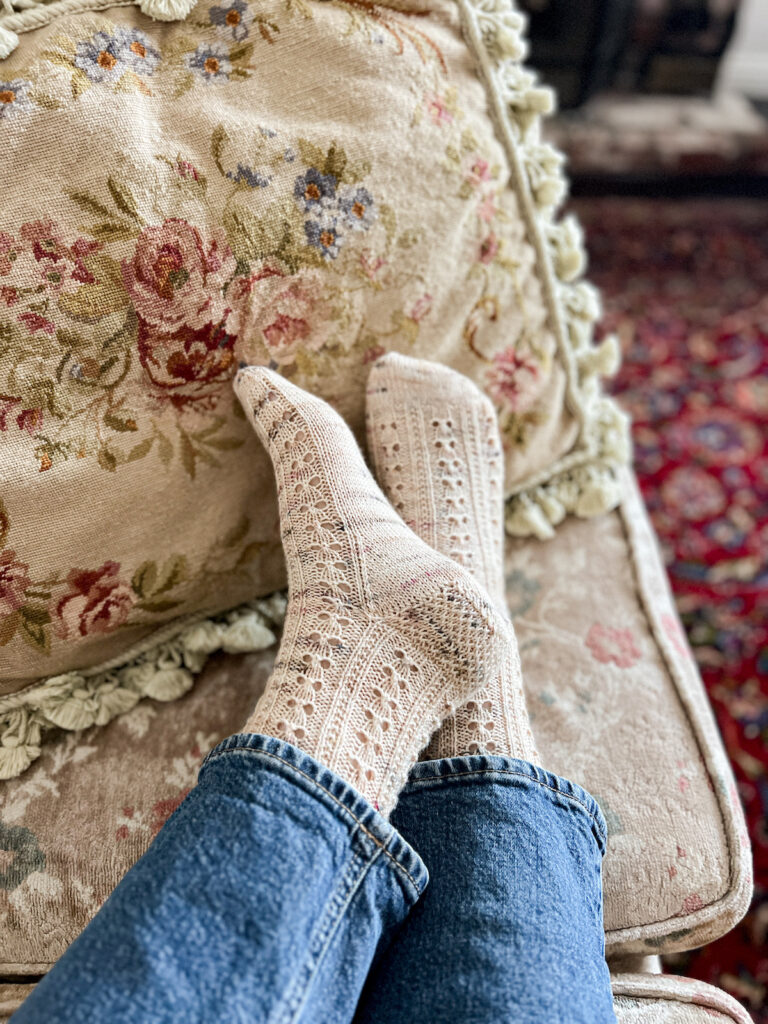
665 999
616 705
304 185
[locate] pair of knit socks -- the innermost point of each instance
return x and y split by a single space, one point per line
396 634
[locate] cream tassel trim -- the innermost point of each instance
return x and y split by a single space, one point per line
26 15
165 671
586 481
8 42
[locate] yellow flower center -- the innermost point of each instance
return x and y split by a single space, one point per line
7 96
106 60
211 65
138 49
358 209
311 191
233 17
327 239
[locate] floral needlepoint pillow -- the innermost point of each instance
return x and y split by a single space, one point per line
298 183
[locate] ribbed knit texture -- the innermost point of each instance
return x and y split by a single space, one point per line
435 446
383 636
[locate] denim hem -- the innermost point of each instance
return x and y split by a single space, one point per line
338 796
506 770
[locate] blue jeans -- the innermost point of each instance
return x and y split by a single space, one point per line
277 893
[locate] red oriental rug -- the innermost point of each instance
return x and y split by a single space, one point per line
685 285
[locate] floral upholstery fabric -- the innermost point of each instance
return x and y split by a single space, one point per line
657 999
300 184
614 706
617 704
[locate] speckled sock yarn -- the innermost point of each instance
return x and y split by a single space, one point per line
383 637
435 446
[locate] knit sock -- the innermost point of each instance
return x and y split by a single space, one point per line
434 442
383 637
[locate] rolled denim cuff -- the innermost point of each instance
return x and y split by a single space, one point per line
369 831
513 772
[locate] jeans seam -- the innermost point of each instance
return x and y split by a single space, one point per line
335 914
361 826
508 771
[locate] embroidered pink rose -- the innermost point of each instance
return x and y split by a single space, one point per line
98 601
177 276
489 249
185 363
513 381
14 580
288 313
691 904
609 644
30 420
53 260
438 110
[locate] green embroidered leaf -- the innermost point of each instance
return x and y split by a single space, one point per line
241 54
89 204
34 632
187 455
60 59
95 301
140 450
45 101
70 339
107 460
239 73
157 606
224 444
144 579
164 449
174 571
122 423
36 613
254 238
219 139
124 200
311 154
250 552
388 218
408 239
335 162
80 83
8 627
184 84
109 231
236 534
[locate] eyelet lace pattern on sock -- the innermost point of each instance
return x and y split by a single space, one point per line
435 444
383 636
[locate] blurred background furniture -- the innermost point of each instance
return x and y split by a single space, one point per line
663 120
657 93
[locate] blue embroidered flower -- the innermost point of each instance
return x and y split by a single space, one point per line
106 57
14 97
324 233
27 855
358 208
253 179
234 18
315 191
210 62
